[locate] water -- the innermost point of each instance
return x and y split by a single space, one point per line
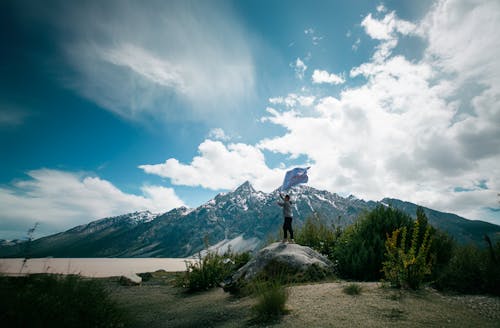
92 267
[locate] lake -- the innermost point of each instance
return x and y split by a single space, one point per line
92 267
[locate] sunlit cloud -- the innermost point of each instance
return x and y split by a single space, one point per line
61 200
321 76
406 131
220 166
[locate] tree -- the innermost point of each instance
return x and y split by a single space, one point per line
360 250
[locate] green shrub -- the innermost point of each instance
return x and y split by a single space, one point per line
57 301
360 249
407 265
352 289
472 270
209 271
271 300
317 235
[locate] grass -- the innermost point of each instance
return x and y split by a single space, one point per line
352 289
57 301
271 301
209 271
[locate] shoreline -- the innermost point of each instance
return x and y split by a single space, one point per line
91 267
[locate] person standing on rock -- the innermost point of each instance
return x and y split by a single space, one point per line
287 215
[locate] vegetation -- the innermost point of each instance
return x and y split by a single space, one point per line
271 300
472 270
379 245
407 266
317 235
57 301
210 270
361 247
352 289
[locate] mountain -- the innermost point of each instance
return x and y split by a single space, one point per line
242 219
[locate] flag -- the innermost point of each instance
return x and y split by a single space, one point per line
294 177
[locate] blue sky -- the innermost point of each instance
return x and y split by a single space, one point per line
111 107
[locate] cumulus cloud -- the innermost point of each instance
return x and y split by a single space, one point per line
137 59
320 76
220 167
387 31
408 131
60 200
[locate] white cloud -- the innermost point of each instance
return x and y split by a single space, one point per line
293 99
387 30
220 167
60 200
309 30
320 76
355 45
315 39
137 59
408 131
300 68
381 8
218 134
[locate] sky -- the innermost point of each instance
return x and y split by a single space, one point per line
110 107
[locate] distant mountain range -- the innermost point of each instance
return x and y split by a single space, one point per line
243 219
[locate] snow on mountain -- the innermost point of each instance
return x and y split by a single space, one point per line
241 220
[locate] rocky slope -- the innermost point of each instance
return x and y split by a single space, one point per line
242 219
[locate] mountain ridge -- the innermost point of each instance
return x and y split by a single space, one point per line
242 219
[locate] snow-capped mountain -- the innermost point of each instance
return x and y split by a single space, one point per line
242 219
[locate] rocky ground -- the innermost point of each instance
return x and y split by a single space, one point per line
157 303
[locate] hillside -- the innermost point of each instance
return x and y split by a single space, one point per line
243 219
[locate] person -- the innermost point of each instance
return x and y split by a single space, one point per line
286 203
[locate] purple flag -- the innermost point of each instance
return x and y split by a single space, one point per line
294 177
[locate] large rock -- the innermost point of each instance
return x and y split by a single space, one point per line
130 279
285 261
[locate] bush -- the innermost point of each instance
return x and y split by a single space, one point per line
317 235
57 301
360 249
209 271
407 266
271 300
352 289
472 270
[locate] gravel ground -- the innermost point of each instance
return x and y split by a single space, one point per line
159 304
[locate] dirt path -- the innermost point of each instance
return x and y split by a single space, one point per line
159 304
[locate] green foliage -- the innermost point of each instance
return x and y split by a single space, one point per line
57 301
360 249
441 251
317 235
209 271
352 289
407 266
472 270
271 300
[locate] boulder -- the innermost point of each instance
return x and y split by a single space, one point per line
285 261
130 280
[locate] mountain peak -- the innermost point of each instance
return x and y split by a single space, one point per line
246 187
